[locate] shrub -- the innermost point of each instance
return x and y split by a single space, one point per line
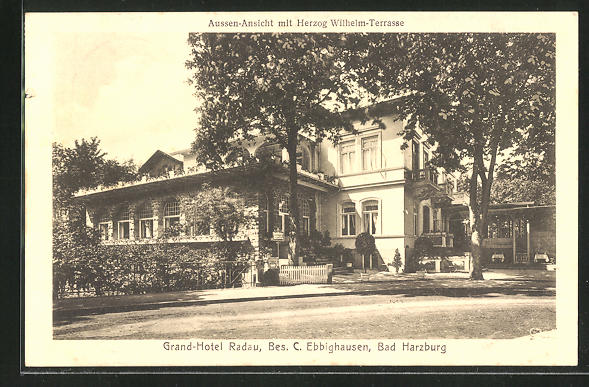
397 261
271 277
138 269
423 246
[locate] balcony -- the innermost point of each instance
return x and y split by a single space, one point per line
429 175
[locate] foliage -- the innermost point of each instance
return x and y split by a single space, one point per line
365 244
138 269
397 263
85 166
81 263
474 96
317 246
220 208
74 248
348 256
271 277
277 86
423 246
531 178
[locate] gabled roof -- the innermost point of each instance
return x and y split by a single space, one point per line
155 157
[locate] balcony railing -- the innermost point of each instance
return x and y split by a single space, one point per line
427 174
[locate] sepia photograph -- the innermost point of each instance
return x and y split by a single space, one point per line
267 188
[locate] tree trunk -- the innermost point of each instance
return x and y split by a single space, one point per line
474 215
293 237
476 246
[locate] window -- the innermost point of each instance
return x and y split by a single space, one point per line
370 213
436 221
415 220
415 156
425 158
265 213
348 219
123 225
304 158
369 153
281 220
306 218
146 221
103 226
103 229
171 214
347 157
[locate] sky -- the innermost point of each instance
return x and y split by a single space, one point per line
129 89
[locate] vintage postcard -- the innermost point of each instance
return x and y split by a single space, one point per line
302 188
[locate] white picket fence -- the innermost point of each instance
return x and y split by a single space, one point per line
294 275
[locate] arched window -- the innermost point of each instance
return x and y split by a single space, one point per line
171 214
146 221
348 219
123 223
370 212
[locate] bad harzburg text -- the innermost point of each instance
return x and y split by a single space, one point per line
308 346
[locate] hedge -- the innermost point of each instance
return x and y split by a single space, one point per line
139 269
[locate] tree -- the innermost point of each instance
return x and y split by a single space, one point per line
85 166
76 256
474 96
529 179
365 245
223 210
275 85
